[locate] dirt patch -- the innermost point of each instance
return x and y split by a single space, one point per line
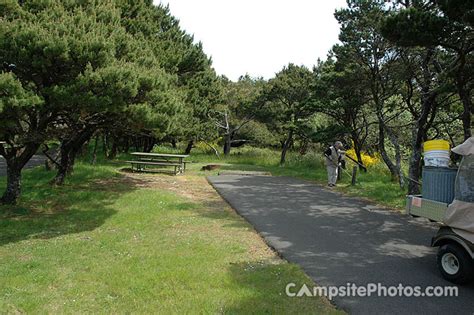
210 167
191 187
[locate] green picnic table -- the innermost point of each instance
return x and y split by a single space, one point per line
144 160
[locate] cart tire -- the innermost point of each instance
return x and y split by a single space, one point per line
455 264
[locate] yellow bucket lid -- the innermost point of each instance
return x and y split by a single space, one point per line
436 145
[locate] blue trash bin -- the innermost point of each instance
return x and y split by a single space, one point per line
438 183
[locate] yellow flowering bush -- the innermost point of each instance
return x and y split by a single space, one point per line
367 159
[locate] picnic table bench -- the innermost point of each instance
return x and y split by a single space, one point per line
144 159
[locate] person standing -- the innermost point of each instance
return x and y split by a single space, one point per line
333 156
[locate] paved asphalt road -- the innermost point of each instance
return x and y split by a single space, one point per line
35 161
339 239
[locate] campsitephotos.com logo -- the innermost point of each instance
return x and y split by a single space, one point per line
370 289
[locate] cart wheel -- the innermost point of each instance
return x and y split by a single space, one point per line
455 263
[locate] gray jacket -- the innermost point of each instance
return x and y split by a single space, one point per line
333 159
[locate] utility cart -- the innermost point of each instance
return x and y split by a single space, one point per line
455 237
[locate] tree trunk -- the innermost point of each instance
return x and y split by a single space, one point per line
64 166
398 157
189 147
420 129
16 159
69 149
114 150
468 111
383 152
84 150
358 150
227 144
379 105
126 145
286 146
173 143
94 153
149 143
105 145
414 170
13 189
136 143
144 144
359 159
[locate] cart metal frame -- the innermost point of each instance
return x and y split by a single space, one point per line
430 209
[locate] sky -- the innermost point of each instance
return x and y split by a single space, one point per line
259 37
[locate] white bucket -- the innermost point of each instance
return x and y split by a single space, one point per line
437 158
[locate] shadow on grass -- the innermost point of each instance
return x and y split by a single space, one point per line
84 203
230 219
265 284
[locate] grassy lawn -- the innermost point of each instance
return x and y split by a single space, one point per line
113 242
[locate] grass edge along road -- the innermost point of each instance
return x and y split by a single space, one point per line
375 185
111 242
